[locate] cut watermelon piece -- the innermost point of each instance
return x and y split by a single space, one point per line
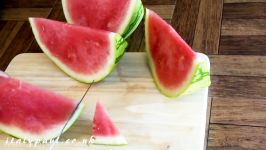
104 131
32 113
176 68
83 53
118 16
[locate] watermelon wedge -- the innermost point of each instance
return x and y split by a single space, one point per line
118 16
104 131
83 53
31 113
175 67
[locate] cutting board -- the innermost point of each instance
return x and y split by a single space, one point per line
149 120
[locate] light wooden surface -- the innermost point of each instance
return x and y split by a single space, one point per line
149 120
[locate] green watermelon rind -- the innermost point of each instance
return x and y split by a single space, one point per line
117 140
117 48
190 86
120 46
135 19
201 78
18 133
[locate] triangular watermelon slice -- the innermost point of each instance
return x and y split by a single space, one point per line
83 53
176 68
104 131
32 113
120 16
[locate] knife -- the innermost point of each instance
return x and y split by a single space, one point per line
72 114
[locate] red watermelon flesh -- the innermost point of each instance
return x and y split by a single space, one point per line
27 111
102 124
83 53
74 46
120 16
93 16
171 58
104 130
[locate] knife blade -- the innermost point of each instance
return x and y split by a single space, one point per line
72 114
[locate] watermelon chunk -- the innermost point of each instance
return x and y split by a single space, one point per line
83 53
104 130
32 113
118 16
176 68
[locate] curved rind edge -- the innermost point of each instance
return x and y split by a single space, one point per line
188 88
80 77
75 116
66 11
135 19
132 18
18 133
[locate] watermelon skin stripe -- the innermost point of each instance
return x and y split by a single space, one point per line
200 74
168 93
120 45
201 77
135 19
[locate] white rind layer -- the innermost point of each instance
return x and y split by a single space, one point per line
46 135
110 140
89 78
19 133
66 12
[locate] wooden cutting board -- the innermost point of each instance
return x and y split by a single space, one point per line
149 120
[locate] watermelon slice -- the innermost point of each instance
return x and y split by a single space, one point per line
104 131
32 113
176 68
83 53
118 16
